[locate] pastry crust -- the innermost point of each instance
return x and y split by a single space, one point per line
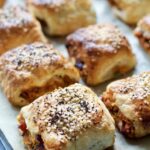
62 17
142 32
30 71
18 27
129 102
72 118
100 51
130 11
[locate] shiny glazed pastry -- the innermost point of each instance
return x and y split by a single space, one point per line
18 27
100 51
30 71
61 17
72 118
130 11
129 102
142 32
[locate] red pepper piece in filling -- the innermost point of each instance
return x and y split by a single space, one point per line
23 128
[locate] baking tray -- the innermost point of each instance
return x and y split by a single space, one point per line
8 113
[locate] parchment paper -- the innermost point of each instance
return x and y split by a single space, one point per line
8 113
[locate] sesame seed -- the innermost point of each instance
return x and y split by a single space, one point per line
32 56
15 16
70 118
136 86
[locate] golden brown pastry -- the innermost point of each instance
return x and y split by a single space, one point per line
142 32
2 2
61 17
30 71
100 51
129 102
18 27
72 118
130 11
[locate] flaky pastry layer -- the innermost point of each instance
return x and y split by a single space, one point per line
18 27
29 71
61 17
100 51
65 120
129 102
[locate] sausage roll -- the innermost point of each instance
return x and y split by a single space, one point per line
61 17
143 32
72 118
32 70
130 11
18 27
100 51
129 102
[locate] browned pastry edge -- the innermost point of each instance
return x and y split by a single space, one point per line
130 93
35 68
35 142
55 25
18 27
92 50
51 120
130 11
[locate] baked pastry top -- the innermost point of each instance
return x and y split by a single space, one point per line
129 102
29 71
17 27
100 51
66 119
142 32
130 11
61 17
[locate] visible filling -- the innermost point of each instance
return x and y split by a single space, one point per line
123 123
145 41
143 112
79 64
34 143
55 82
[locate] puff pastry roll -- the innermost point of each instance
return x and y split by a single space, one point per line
142 32
100 51
129 102
61 17
18 27
30 71
72 118
130 11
